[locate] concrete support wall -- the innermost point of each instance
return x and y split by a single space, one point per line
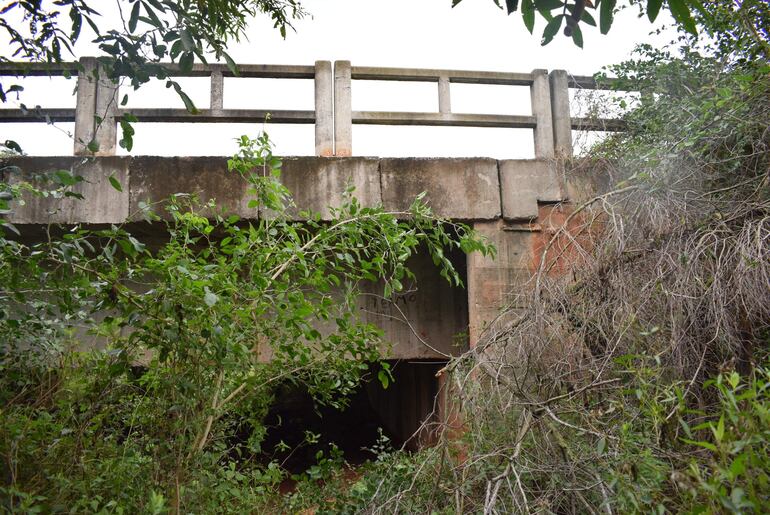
503 200
497 283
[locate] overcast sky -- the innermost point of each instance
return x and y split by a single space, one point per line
475 35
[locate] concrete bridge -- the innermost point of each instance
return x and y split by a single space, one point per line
514 203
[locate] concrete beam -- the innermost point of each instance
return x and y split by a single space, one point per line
524 183
318 184
102 204
155 179
466 189
463 189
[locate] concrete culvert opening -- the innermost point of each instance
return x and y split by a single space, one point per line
397 412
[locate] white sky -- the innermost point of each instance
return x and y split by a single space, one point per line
401 33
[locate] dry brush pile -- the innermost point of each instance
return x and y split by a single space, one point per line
637 381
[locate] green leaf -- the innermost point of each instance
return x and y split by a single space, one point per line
653 8
528 14
511 5
115 183
577 36
738 466
383 377
719 432
606 14
681 13
188 103
186 61
231 64
66 178
134 17
551 29
706 445
548 5
587 19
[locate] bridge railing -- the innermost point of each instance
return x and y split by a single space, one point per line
97 111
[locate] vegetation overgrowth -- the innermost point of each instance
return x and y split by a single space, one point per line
134 376
637 382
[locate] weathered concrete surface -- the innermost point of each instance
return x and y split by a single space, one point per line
425 319
495 284
524 183
103 203
485 192
318 184
463 189
155 179
466 189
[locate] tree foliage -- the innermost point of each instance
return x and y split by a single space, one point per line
748 19
132 370
149 33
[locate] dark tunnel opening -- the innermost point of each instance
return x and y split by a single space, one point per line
396 412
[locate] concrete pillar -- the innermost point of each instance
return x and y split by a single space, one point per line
541 110
343 115
85 106
106 128
216 100
96 110
494 284
444 99
562 123
324 106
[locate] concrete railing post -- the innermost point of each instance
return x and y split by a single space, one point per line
444 97
217 91
324 109
343 114
106 121
85 105
95 111
562 123
541 110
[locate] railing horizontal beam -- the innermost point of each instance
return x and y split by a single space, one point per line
66 114
598 124
433 75
588 82
37 69
443 120
267 71
150 115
